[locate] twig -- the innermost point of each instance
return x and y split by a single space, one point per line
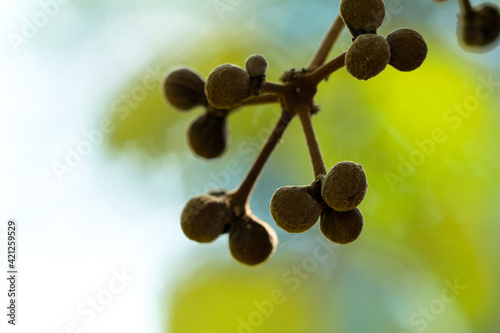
327 44
264 99
275 89
240 197
324 71
318 165
465 7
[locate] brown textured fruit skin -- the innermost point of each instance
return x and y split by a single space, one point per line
481 28
408 49
184 89
368 56
251 240
227 85
362 16
293 209
341 227
256 65
205 217
207 135
344 186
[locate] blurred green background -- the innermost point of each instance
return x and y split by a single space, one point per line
427 259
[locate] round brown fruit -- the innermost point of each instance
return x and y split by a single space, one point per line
408 49
362 16
256 65
479 29
293 209
251 240
205 217
368 56
184 89
227 85
341 227
344 186
207 135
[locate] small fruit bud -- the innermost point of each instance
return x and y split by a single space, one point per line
207 135
293 209
344 187
362 16
481 28
184 89
408 49
368 56
205 217
227 85
341 227
256 65
251 240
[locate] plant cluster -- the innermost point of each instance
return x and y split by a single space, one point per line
332 197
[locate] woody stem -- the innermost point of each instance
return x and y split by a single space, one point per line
327 43
241 196
318 165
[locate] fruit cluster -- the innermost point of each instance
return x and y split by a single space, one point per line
333 196
404 49
207 216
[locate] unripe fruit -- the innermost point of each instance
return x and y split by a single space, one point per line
362 16
480 28
293 209
344 187
341 227
227 85
256 65
368 56
251 240
205 217
207 135
184 89
408 49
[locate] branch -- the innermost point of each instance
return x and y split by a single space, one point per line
264 99
274 89
327 44
240 197
318 165
324 71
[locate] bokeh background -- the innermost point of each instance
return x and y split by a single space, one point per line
96 169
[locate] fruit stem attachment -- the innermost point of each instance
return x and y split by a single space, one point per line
465 7
240 197
327 43
325 70
318 165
